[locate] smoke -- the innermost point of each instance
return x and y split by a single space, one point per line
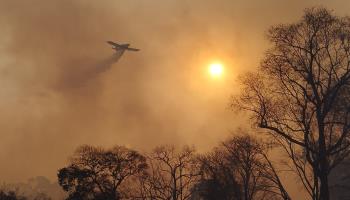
88 70
63 86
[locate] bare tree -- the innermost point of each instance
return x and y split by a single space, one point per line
171 174
96 173
241 169
218 177
246 154
258 177
301 96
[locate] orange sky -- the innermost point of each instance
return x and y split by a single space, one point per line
60 90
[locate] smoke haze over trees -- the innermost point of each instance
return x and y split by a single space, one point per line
62 87
48 47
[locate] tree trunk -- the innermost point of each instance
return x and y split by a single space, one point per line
323 169
324 190
174 192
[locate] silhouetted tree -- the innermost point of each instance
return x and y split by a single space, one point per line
218 178
301 96
10 195
171 174
241 169
96 173
37 188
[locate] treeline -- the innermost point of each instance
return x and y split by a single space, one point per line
239 168
15 195
36 188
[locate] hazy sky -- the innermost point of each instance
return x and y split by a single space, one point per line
61 86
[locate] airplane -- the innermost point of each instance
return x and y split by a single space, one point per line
120 48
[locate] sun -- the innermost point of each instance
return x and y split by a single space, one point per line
216 69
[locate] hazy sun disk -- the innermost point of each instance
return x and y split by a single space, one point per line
216 69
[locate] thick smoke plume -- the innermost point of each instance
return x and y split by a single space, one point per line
63 86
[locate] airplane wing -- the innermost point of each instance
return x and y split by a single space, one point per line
112 43
132 49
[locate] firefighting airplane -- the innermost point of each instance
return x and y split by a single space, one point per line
120 48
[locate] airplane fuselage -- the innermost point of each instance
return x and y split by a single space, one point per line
121 47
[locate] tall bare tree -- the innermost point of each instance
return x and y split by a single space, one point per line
96 173
171 174
301 94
